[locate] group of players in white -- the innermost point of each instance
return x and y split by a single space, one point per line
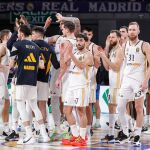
73 85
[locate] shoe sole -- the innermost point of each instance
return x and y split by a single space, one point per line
124 141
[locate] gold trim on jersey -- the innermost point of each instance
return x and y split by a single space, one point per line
83 96
76 73
48 65
118 79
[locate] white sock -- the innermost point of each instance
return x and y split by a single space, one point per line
130 123
6 126
97 121
137 131
112 119
74 130
83 133
14 126
77 118
55 109
43 130
36 124
28 131
57 129
88 129
122 114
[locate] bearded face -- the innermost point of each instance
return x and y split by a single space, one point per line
132 37
133 32
113 39
113 43
80 44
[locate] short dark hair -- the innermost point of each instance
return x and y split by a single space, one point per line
124 27
117 33
88 29
3 33
39 29
25 30
81 35
69 25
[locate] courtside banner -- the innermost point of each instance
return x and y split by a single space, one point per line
103 99
77 6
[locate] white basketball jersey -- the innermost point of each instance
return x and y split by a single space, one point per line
5 58
90 47
93 70
5 62
74 43
57 47
135 60
114 77
78 78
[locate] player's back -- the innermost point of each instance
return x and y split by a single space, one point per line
27 60
46 51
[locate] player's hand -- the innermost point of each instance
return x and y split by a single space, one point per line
47 22
59 17
98 50
144 85
58 83
41 63
102 54
107 43
24 20
17 23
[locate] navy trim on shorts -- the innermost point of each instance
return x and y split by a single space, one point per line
97 92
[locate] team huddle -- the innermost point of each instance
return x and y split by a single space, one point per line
63 68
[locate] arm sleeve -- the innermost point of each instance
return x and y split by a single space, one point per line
14 52
12 40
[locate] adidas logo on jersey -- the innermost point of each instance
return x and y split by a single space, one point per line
30 58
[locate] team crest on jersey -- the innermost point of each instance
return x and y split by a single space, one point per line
137 49
81 58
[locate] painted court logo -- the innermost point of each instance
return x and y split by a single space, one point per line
105 96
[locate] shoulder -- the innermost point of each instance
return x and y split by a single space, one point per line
17 44
145 44
145 47
2 46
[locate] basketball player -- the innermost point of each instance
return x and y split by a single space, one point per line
94 49
76 94
26 54
47 54
130 105
75 20
135 81
124 34
55 93
113 65
4 62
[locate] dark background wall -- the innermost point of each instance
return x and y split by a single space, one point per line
100 21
